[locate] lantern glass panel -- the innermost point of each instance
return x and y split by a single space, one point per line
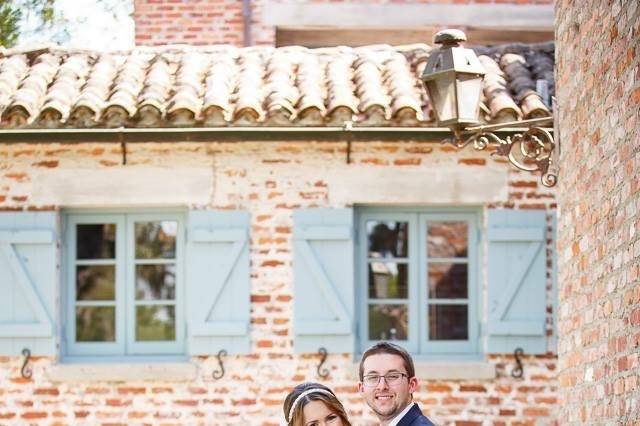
443 96
469 89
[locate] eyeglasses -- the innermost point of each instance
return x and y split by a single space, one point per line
392 379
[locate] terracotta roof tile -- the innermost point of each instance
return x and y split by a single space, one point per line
173 86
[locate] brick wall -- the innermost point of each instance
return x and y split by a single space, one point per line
201 22
598 88
268 180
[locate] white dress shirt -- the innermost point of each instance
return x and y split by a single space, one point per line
399 417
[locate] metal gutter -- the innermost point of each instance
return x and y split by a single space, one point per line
238 134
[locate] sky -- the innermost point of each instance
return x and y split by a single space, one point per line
91 25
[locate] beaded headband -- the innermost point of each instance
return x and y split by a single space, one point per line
302 395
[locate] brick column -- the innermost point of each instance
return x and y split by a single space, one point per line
598 89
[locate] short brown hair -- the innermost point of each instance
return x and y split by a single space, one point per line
329 399
392 349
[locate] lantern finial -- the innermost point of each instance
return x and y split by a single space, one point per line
450 38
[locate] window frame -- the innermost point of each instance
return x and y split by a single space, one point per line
125 347
417 218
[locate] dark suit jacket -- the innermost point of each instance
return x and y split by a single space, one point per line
414 417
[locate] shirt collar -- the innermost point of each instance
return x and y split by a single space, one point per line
399 417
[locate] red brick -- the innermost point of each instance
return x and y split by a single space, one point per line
48 164
32 415
46 391
130 390
260 298
472 161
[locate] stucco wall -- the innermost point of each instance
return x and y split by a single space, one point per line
222 21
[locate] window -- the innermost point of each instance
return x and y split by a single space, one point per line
418 279
124 284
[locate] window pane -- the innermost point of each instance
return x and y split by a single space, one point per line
96 241
95 282
155 282
388 322
155 323
388 280
156 240
448 322
447 239
387 239
95 324
448 280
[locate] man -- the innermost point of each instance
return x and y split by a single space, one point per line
387 382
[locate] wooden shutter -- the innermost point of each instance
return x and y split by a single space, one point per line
217 282
28 282
323 268
517 281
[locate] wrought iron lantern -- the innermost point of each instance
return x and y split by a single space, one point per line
453 79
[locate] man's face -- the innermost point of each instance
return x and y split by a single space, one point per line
387 401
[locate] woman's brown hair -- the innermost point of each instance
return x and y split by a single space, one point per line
325 395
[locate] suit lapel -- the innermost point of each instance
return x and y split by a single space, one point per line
411 415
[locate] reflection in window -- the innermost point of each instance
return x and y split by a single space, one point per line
156 240
448 280
155 323
96 324
447 239
448 322
388 322
155 282
387 239
96 241
95 282
388 280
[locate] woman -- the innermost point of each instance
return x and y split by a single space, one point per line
313 404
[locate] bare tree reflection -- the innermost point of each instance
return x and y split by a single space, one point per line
388 322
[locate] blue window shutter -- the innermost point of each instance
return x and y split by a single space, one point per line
517 281
323 268
217 282
28 282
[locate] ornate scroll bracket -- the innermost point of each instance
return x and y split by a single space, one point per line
26 371
219 374
322 372
518 371
531 150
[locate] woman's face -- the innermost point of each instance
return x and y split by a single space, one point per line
317 414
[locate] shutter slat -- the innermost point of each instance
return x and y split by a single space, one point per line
220 328
219 235
517 281
324 233
27 237
519 328
323 280
515 234
217 282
